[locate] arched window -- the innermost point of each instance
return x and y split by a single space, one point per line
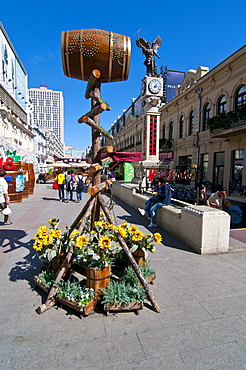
221 107
206 116
191 122
164 132
170 137
241 97
181 127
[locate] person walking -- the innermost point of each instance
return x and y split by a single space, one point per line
69 183
4 198
60 177
79 186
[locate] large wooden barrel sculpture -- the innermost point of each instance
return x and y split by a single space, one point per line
31 175
26 191
15 180
86 50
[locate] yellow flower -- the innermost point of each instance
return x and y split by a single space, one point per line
138 235
81 241
132 229
99 223
125 224
157 237
37 246
48 240
122 231
92 232
52 221
56 234
107 224
104 242
113 227
74 233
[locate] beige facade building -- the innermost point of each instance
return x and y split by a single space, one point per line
202 131
205 124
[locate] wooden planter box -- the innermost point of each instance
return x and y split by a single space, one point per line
83 311
150 279
134 307
139 256
98 279
40 285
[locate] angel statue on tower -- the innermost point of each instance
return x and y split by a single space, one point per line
150 51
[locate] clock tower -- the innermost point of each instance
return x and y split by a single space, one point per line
151 92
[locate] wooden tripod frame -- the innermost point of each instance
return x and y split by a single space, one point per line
96 201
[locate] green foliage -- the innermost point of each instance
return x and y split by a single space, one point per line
130 275
121 292
47 278
73 291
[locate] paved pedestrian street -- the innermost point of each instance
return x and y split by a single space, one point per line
202 324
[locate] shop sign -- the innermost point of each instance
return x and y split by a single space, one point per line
8 165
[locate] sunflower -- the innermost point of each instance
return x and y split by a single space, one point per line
104 242
132 229
122 231
107 225
37 246
56 234
48 240
74 233
158 238
98 223
81 241
137 236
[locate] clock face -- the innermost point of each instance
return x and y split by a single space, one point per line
154 86
143 87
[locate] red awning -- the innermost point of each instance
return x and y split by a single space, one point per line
125 156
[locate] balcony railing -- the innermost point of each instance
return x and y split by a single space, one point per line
228 120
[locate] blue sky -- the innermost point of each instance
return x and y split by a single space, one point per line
193 33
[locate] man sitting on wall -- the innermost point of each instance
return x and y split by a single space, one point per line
164 199
217 199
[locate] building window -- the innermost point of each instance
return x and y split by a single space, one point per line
164 132
221 107
219 162
48 103
206 116
204 163
170 137
191 122
237 170
181 127
41 103
241 97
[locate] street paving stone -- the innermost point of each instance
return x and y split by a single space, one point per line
202 324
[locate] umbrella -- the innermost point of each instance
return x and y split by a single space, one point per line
81 164
61 164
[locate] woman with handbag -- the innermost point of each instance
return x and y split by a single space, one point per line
4 199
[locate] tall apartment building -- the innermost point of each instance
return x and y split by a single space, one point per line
48 110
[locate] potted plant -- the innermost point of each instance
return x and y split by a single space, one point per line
131 277
121 296
51 245
45 280
76 296
138 243
98 249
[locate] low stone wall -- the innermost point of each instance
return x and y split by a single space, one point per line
204 229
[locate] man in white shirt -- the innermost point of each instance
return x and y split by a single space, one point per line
218 199
4 198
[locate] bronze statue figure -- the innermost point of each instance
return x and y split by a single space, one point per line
150 51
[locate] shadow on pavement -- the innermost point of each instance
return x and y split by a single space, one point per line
10 240
134 217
